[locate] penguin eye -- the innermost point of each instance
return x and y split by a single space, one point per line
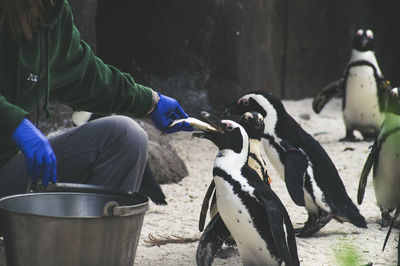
246 119
229 128
370 34
243 101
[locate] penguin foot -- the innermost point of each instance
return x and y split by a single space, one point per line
369 136
350 136
396 224
312 227
228 252
386 222
386 219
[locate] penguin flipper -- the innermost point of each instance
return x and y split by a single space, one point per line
211 241
365 171
204 206
284 238
396 215
295 169
326 94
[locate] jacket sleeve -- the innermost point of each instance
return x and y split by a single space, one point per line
10 118
85 82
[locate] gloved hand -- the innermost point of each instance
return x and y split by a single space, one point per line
166 111
39 155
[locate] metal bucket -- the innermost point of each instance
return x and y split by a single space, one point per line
70 228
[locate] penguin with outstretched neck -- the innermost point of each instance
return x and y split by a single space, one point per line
310 176
247 207
363 88
253 123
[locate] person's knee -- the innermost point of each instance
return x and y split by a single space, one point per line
133 134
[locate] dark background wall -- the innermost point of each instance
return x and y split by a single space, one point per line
206 53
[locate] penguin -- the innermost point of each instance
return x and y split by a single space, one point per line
310 176
249 209
253 123
363 88
149 186
384 158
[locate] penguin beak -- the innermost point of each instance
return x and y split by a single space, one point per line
364 41
212 122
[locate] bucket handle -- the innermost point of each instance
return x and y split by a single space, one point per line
112 208
109 208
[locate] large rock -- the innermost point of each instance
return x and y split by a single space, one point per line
165 162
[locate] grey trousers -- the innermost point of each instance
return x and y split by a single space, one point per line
110 151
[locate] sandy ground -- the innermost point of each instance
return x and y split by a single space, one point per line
180 216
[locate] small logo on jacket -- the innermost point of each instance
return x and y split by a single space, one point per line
33 77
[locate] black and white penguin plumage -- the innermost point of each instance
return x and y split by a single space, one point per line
363 101
310 176
384 158
363 87
251 211
149 186
253 123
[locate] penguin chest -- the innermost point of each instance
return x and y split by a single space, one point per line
274 157
361 110
387 179
257 163
252 248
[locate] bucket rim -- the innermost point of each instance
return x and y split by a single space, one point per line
141 207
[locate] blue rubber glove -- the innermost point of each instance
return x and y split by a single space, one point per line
39 155
166 111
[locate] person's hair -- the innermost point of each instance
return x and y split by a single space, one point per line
22 17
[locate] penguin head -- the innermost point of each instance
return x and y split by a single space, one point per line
253 123
269 106
228 135
363 40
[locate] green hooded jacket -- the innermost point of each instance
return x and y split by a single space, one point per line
56 64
